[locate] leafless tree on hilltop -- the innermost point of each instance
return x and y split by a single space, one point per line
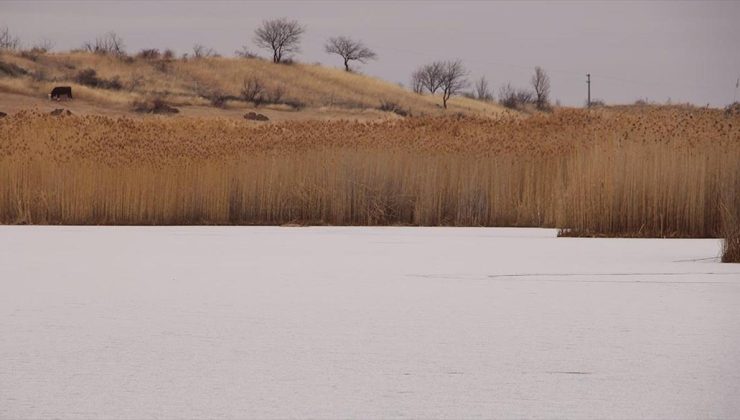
541 85
349 50
282 36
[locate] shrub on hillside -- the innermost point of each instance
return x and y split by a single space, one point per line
245 52
149 54
37 50
277 95
154 106
201 51
642 102
252 90
597 103
107 44
29 55
219 100
394 107
214 94
514 98
732 109
12 70
257 93
89 77
8 41
293 103
168 54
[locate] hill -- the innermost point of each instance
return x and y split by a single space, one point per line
214 86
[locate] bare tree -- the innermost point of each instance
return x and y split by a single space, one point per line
507 96
428 77
253 91
110 43
201 51
43 46
431 76
149 54
524 96
541 85
453 79
245 52
7 40
417 82
449 76
168 54
282 36
482 91
349 50
511 97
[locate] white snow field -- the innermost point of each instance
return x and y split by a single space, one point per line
332 322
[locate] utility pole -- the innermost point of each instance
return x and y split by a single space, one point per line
588 82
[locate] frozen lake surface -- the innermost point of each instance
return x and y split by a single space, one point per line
204 322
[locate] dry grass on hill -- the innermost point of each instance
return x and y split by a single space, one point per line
194 82
652 172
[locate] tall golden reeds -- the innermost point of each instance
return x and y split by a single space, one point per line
657 172
731 244
730 212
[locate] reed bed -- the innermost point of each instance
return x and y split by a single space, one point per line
618 172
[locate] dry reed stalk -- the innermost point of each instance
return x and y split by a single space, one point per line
731 244
730 209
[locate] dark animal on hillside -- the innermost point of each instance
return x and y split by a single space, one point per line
61 91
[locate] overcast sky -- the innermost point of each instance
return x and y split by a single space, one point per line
685 51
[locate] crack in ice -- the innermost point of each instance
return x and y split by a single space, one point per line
525 276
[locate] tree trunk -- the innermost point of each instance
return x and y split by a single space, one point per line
346 65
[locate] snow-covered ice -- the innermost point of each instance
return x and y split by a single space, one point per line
209 322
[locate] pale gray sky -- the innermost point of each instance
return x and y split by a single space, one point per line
685 51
